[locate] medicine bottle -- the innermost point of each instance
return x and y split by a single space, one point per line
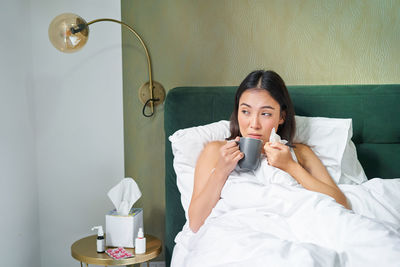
100 242
140 242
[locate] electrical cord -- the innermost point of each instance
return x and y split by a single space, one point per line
144 107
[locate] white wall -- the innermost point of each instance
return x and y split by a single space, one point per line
61 138
78 100
19 222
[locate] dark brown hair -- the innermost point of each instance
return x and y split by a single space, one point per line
275 86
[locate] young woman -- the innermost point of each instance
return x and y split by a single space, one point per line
262 102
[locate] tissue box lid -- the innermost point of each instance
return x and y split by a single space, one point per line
133 212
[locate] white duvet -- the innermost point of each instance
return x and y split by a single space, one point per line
265 218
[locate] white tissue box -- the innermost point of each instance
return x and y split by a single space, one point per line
121 231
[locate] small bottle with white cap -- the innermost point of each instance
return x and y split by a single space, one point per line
100 244
140 242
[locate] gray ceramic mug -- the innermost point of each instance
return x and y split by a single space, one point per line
251 148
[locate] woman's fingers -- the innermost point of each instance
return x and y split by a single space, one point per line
275 145
229 156
278 154
232 153
227 151
238 156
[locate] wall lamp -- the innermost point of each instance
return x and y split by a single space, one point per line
69 33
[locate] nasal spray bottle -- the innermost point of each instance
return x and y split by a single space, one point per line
140 242
100 243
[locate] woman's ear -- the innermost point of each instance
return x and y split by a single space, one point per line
282 118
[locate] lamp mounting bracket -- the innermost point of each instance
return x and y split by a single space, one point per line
158 93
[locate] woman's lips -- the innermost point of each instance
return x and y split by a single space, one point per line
255 136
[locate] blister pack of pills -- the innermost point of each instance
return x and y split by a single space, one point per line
119 253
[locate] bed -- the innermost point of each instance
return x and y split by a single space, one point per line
375 129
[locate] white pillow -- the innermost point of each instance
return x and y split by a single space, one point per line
186 146
330 139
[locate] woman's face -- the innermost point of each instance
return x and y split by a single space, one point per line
258 113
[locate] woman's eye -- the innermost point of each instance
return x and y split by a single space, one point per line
245 111
266 114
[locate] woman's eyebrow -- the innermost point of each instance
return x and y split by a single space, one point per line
247 105
267 107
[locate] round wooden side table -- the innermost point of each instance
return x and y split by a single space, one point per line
84 250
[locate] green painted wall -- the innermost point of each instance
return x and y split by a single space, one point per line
217 42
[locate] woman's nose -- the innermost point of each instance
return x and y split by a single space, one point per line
255 123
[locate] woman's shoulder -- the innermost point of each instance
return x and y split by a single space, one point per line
214 145
209 154
302 152
300 147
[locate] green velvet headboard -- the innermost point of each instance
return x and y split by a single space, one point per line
376 128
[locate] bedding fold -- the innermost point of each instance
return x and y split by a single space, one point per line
265 218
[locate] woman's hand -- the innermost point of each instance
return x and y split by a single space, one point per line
278 155
229 156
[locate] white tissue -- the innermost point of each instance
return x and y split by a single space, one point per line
275 138
124 195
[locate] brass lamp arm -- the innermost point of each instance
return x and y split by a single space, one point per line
151 100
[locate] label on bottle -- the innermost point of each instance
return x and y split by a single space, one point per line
140 245
100 245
